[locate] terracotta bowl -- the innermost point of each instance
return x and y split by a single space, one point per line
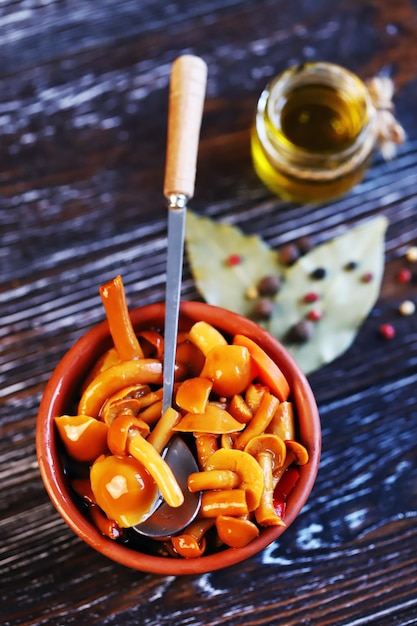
63 389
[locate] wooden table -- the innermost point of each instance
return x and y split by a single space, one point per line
83 108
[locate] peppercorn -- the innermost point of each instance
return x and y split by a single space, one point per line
314 315
289 253
319 273
407 307
251 293
269 285
311 296
387 331
263 309
351 265
411 254
301 332
304 245
404 275
367 277
233 259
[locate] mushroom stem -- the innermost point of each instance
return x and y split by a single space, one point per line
160 471
213 479
163 432
206 445
265 514
114 301
224 502
283 422
192 543
269 452
260 420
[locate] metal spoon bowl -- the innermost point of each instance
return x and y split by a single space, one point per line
166 521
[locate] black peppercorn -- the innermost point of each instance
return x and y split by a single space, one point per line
319 273
269 285
263 309
352 265
289 253
301 332
304 245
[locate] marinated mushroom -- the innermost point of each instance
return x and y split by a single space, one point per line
206 444
243 464
283 422
164 429
127 400
295 453
269 451
240 409
192 394
126 437
123 489
230 368
217 502
260 421
214 420
267 370
205 337
235 532
84 437
124 338
115 378
192 543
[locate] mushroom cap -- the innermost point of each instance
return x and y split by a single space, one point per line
214 420
123 489
84 437
269 443
193 394
298 450
119 431
235 532
126 399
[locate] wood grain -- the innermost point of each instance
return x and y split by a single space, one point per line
83 120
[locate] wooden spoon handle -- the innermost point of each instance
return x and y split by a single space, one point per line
186 101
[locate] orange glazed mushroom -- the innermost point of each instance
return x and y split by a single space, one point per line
125 437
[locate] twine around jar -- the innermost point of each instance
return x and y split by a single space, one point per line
389 132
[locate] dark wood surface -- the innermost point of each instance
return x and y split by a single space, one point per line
83 106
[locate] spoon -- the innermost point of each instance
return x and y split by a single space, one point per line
186 100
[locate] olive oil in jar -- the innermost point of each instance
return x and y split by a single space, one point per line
318 119
314 133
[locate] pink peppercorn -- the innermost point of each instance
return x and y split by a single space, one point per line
311 296
367 277
233 259
404 275
314 315
387 331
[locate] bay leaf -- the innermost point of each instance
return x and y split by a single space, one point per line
345 298
209 246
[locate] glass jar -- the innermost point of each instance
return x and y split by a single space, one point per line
314 132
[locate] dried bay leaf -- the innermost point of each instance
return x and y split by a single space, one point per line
209 246
345 298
